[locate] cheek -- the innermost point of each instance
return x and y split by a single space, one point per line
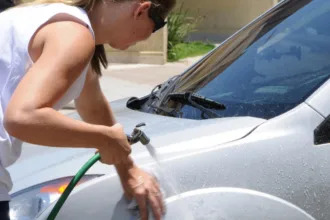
136 34
143 34
125 38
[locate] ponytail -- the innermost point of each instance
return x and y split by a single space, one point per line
99 58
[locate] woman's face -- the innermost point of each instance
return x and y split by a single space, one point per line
130 24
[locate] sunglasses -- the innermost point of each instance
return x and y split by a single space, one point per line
156 18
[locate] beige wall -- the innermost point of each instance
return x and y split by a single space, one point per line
224 17
151 51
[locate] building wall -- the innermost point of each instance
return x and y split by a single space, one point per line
151 51
222 18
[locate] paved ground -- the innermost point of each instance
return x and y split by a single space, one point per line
120 80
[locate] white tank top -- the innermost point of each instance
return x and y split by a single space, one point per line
17 26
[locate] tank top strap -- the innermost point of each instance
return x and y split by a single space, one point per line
44 13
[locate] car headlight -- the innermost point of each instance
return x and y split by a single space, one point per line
27 203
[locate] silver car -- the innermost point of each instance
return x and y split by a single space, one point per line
241 135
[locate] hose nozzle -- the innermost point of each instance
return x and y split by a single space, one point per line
138 135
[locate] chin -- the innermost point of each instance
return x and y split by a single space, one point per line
125 47
119 47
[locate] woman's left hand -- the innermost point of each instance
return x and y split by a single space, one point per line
144 188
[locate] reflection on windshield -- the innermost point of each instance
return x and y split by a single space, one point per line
269 67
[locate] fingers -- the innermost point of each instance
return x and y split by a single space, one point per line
161 203
160 198
155 183
142 203
127 149
155 198
155 201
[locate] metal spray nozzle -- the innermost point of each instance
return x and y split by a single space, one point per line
138 135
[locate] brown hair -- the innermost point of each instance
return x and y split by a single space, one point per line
99 58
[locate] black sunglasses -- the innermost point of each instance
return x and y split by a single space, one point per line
156 18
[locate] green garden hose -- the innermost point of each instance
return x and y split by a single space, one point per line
71 185
136 136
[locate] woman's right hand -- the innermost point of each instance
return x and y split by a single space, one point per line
117 149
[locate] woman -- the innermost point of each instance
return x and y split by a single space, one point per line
51 54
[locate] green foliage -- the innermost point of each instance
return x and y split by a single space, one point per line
183 50
180 25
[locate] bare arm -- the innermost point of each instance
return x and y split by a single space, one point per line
92 105
94 108
30 116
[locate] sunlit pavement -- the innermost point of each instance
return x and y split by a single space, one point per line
120 80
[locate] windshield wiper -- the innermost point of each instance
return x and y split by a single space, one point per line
200 102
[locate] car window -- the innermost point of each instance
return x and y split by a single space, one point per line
269 68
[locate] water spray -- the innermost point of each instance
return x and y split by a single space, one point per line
137 136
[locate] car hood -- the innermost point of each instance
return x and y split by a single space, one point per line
170 136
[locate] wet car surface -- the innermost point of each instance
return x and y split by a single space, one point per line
242 134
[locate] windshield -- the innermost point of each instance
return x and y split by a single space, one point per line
266 69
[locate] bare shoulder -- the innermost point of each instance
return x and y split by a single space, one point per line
63 43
